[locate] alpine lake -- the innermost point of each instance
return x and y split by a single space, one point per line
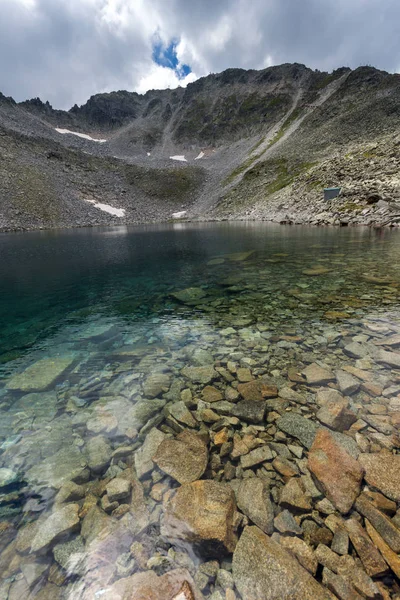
199 411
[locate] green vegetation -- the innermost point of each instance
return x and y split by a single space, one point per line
241 168
167 184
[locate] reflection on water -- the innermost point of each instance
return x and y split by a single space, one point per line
187 346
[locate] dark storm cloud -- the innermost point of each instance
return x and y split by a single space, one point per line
66 50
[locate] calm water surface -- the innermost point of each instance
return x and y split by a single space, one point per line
94 351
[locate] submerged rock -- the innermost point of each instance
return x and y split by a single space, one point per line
60 522
262 569
200 374
189 295
254 501
299 427
174 585
144 456
202 513
338 473
382 471
41 375
184 458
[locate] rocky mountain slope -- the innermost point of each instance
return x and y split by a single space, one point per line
239 144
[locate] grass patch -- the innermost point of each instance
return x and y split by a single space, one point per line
241 168
285 126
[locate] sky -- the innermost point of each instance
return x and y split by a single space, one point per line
64 51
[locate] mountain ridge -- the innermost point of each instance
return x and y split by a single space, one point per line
231 128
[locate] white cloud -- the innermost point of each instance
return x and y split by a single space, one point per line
159 78
67 50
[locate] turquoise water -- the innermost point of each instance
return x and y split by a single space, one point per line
87 317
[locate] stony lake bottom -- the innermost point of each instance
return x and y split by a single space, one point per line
200 411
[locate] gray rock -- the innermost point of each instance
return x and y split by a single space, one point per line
293 497
63 520
118 489
264 570
181 413
99 453
202 375
348 384
356 350
255 457
189 295
392 359
298 427
254 501
141 413
285 523
144 456
68 464
71 556
202 358
250 411
156 384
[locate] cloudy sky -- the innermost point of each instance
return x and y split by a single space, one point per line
66 50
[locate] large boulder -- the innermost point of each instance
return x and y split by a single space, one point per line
263 570
202 513
184 458
337 473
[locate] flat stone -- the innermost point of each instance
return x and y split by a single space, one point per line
356 350
255 457
327 557
211 394
348 384
257 390
244 374
391 558
316 375
384 526
254 501
42 407
156 384
184 458
263 569
70 492
202 513
250 411
144 456
340 542
60 522
372 561
391 359
293 497
382 471
99 453
298 427
41 375
200 374
326 396
118 489
181 413
338 474
285 523
336 415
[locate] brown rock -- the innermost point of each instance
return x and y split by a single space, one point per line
294 498
382 471
317 375
211 394
264 570
148 586
338 473
381 502
384 526
257 390
336 415
339 586
202 513
369 555
184 458
302 552
390 557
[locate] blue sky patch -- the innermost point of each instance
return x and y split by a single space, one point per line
165 56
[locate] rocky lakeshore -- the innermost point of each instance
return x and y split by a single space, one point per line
241 442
